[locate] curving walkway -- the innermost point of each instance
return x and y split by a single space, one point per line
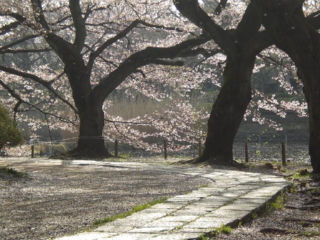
232 196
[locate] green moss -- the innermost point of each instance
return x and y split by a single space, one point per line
254 215
310 234
202 237
278 203
302 174
225 229
215 232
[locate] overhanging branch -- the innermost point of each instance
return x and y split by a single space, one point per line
39 80
21 101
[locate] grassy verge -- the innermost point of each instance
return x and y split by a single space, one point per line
216 232
126 214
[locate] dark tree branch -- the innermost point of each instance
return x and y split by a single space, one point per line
249 24
26 38
314 19
25 50
122 34
200 51
7 28
139 59
191 10
65 50
79 23
35 78
38 14
167 62
21 101
110 41
16 107
222 4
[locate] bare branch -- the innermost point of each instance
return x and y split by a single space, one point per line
142 58
191 10
122 34
25 50
39 80
38 14
314 19
26 38
7 28
21 101
167 62
110 41
79 23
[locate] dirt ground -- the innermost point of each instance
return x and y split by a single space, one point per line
55 200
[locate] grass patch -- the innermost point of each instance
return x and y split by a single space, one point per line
278 203
126 214
203 237
310 234
254 215
215 232
302 174
224 229
10 172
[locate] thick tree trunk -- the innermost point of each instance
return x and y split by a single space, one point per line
89 106
286 22
314 127
228 110
309 71
91 142
308 64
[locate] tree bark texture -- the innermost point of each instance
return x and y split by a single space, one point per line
91 141
293 33
228 110
241 45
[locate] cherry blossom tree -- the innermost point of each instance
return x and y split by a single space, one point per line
99 45
119 48
241 45
298 36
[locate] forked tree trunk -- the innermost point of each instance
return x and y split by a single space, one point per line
228 110
309 71
286 22
314 127
307 59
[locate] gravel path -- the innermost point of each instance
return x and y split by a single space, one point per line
59 199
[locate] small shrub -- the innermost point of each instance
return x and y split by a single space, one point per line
9 134
10 172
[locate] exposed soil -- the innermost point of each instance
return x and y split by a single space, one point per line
55 200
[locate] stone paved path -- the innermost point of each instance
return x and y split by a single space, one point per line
230 197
